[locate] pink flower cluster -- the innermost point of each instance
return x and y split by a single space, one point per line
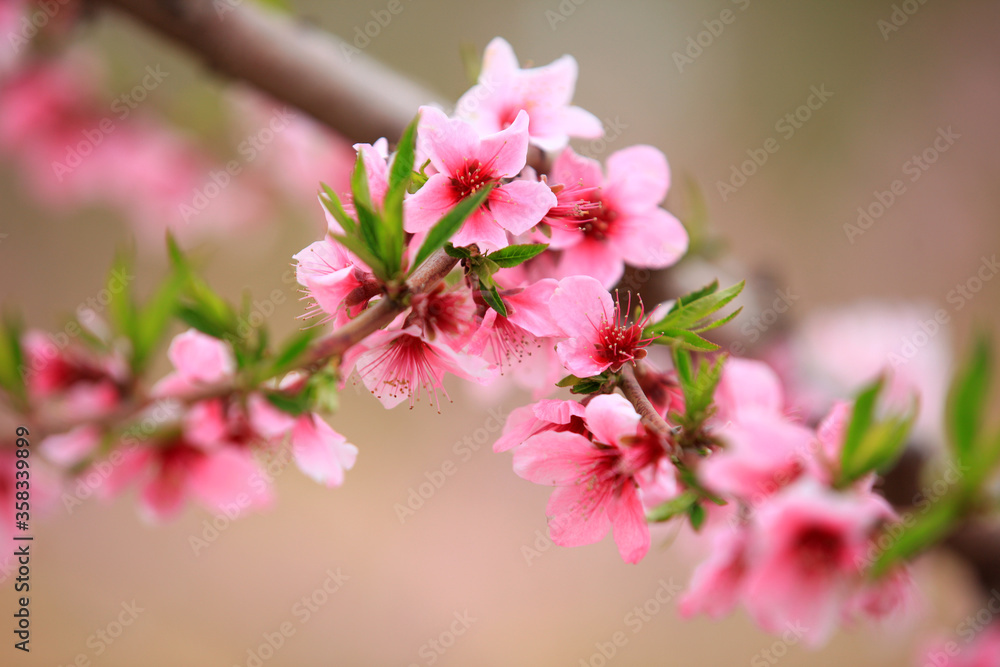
789 546
211 457
593 226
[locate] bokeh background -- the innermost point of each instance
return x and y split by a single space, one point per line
464 550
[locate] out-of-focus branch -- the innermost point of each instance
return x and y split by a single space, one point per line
293 62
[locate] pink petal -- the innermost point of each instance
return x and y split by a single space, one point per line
320 452
629 525
529 309
571 169
553 458
506 151
520 205
593 258
201 357
638 179
578 305
480 228
578 516
611 418
558 412
424 208
449 143
224 481
654 239
521 423
577 356
267 420
68 449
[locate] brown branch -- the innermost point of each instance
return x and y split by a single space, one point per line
295 63
651 419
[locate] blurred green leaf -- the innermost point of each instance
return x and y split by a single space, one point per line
966 404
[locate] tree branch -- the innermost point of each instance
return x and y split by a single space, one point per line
651 419
295 63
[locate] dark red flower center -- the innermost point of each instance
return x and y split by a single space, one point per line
819 549
470 177
618 341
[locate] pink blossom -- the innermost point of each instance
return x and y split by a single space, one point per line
170 473
445 315
764 450
331 277
465 163
598 334
600 223
528 319
70 448
199 360
717 584
836 351
396 364
504 90
546 415
809 543
320 452
71 382
596 481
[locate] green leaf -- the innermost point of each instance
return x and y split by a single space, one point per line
879 448
677 505
121 307
197 319
333 204
450 223
402 164
12 370
286 359
456 253
589 385
715 324
697 515
154 318
358 247
568 381
967 400
929 528
688 340
492 299
294 405
685 300
861 420
692 309
514 255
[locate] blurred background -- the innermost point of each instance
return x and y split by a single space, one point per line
470 570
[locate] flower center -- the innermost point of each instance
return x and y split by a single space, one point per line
470 177
819 549
619 341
